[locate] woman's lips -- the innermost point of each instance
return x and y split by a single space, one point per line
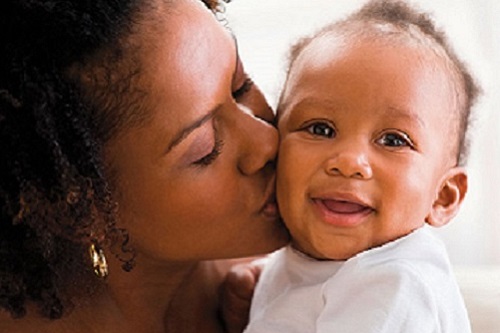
342 213
270 208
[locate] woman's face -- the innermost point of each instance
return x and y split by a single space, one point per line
196 180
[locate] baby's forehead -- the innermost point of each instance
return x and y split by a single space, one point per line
348 34
381 50
331 58
378 35
411 44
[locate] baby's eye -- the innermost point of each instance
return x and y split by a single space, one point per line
395 140
321 129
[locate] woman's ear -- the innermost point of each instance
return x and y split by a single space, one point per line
449 198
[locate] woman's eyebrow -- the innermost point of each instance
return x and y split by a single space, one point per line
179 137
183 133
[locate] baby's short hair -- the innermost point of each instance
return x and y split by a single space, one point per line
396 21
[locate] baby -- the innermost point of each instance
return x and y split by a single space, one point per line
372 121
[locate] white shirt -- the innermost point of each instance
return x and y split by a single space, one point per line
404 286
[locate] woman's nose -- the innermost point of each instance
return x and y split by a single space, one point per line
350 162
259 144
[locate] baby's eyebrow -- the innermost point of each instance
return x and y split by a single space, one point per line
406 114
390 112
316 102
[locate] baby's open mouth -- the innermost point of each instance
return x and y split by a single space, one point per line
342 212
344 207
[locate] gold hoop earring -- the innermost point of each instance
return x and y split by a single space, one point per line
99 262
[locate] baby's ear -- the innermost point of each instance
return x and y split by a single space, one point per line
449 198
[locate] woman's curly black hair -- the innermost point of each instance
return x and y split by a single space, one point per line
55 199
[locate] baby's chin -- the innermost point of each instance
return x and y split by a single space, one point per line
341 252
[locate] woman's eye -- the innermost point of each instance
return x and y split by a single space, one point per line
243 89
321 129
212 156
395 140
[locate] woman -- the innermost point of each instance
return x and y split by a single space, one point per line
135 151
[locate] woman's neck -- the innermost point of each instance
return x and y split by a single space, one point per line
144 296
180 297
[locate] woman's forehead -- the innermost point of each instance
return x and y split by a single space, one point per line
190 52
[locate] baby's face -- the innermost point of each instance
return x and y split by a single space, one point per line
366 138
